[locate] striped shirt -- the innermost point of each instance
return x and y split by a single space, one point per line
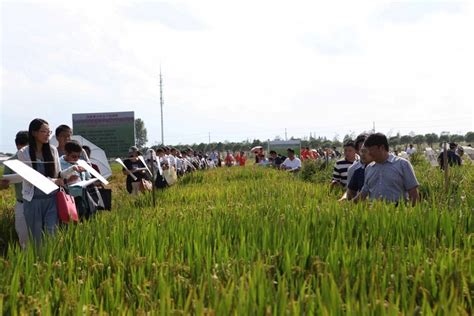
339 173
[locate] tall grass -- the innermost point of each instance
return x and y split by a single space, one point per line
255 241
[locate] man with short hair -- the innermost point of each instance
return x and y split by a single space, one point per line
339 174
21 140
388 177
410 150
277 159
357 180
453 158
359 141
72 173
63 134
305 153
292 163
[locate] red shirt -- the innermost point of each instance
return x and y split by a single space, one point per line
305 154
241 159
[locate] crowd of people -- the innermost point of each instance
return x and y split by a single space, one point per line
35 211
367 169
164 165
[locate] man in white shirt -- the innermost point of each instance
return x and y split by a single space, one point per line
291 164
411 150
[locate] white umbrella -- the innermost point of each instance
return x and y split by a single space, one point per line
97 156
256 148
469 152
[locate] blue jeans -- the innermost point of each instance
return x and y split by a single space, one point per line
41 215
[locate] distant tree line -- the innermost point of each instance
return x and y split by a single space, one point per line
431 139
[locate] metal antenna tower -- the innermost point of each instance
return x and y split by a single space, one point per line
161 105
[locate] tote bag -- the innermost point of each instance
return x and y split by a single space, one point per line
66 207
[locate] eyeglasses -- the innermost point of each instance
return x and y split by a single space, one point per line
45 131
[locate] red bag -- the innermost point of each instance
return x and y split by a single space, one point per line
66 207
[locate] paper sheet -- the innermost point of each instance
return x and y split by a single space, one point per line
32 176
12 178
125 167
146 166
92 171
84 183
140 169
160 170
431 156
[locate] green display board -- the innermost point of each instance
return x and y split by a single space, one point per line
281 146
114 132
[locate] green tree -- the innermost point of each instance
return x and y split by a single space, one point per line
444 137
406 139
431 138
469 137
418 139
326 143
256 142
220 146
201 147
348 137
455 138
394 140
140 133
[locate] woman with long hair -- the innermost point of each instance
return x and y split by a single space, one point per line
40 209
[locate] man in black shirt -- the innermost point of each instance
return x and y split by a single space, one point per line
453 158
277 159
137 168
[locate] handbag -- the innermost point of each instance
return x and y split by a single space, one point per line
107 198
66 206
170 176
94 199
145 185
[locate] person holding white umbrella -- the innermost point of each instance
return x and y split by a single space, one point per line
259 154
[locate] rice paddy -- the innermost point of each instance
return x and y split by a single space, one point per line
252 241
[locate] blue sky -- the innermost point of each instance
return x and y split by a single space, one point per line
240 70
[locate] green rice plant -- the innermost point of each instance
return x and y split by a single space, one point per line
254 241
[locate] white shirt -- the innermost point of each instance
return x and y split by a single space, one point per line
411 151
292 164
28 189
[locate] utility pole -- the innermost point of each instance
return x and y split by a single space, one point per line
209 138
161 105
445 167
286 136
373 129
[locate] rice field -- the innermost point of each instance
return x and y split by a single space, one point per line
252 241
